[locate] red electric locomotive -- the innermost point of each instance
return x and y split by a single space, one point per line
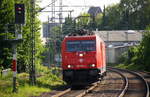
83 59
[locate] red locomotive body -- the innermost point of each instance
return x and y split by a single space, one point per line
83 59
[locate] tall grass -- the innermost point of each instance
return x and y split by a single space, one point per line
47 79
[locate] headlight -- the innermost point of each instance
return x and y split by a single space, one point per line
81 55
92 65
69 66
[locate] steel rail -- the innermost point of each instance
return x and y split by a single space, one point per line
123 92
81 94
62 93
141 77
94 85
146 84
88 90
126 84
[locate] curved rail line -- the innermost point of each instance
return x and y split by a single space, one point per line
125 84
122 93
94 85
146 84
141 77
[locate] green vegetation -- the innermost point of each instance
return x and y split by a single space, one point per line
131 14
69 26
47 79
130 67
138 58
23 49
128 14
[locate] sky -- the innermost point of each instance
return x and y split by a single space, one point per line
77 10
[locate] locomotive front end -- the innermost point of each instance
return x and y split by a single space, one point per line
79 60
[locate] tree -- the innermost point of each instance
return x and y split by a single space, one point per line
24 49
111 18
55 44
136 13
146 50
6 13
83 20
98 20
128 14
68 26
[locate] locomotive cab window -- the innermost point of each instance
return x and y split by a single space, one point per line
81 45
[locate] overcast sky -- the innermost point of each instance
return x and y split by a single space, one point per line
77 10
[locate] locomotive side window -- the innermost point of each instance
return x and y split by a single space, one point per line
81 45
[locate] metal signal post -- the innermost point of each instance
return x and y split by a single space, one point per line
19 20
14 67
18 39
32 65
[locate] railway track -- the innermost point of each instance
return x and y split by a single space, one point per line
126 83
76 92
117 83
137 85
115 87
146 76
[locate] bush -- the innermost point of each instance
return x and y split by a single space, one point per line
8 76
123 58
146 49
138 57
46 81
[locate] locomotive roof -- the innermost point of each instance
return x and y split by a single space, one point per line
85 36
82 34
